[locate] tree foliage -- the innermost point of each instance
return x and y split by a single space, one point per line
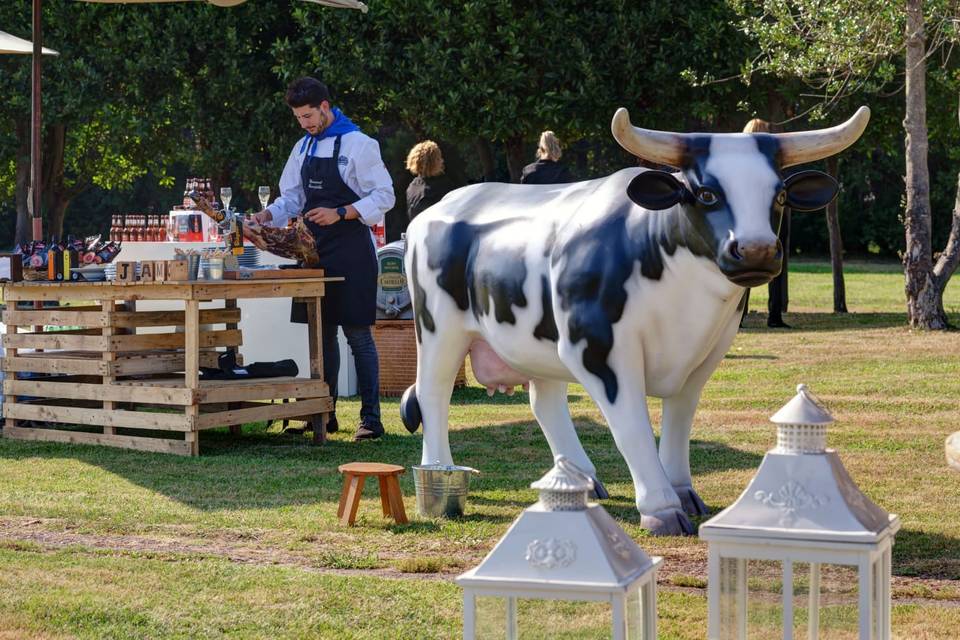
504 71
844 47
149 93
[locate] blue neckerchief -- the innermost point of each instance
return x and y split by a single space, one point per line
341 125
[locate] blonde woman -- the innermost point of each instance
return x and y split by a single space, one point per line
430 184
547 169
757 125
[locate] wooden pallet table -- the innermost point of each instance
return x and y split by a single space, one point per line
70 366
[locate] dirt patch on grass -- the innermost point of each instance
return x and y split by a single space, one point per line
684 568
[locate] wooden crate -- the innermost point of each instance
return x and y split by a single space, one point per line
397 348
73 368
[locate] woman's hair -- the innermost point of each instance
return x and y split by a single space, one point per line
549 147
306 91
425 159
757 125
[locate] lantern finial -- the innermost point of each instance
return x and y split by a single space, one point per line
802 424
564 487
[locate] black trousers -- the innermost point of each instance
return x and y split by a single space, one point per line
778 293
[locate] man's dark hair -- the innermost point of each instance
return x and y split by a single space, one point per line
307 91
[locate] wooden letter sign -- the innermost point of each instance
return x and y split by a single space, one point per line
177 270
126 272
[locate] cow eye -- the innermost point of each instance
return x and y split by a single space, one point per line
707 197
782 198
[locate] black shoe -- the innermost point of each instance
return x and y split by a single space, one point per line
368 432
332 425
778 324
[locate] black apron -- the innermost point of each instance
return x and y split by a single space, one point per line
345 247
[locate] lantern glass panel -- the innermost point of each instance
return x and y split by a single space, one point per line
635 604
837 616
536 619
733 594
764 579
491 618
755 599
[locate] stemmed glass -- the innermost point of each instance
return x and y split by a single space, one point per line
226 194
264 194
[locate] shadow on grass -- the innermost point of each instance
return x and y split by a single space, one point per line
757 322
263 469
268 470
478 395
921 554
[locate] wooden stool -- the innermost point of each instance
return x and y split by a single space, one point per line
354 475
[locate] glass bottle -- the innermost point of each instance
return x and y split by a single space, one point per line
70 260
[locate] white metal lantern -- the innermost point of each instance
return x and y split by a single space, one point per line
801 509
562 549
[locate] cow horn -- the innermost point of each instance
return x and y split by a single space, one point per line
807 146
660 147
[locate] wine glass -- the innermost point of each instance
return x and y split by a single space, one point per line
226 193
264 194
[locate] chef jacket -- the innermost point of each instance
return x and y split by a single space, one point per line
361 168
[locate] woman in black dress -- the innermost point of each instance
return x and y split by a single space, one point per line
547 169
430 184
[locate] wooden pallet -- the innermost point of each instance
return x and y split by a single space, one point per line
70 368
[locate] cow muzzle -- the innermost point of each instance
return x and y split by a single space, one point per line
750 264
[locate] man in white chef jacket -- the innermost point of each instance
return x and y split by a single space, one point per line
336 179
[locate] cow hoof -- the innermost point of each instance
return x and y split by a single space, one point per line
410 409
599 491
669 522
690 502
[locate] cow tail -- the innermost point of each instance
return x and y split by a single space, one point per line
410 409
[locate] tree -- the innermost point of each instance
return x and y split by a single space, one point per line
842 47
105 103
501 71
240 129
141 89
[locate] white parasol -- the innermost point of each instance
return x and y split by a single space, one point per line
340 4
12 44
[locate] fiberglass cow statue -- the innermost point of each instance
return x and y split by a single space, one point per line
631 285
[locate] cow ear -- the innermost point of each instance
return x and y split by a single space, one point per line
810 190
656 190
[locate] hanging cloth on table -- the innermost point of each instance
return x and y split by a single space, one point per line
229 370
345 248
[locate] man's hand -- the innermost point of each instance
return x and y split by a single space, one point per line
263 217
322 216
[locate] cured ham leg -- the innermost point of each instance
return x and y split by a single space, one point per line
295 243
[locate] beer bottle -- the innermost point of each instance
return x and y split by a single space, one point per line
236 238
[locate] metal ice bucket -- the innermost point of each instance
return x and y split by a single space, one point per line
441 489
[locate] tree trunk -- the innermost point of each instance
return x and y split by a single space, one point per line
515 157
950 258
487 163
924 297
24 230
56 195
836 247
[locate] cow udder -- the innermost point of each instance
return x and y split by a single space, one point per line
492 372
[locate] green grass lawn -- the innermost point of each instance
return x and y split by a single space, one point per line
243 542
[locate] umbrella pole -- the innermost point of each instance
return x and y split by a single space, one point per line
35 129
